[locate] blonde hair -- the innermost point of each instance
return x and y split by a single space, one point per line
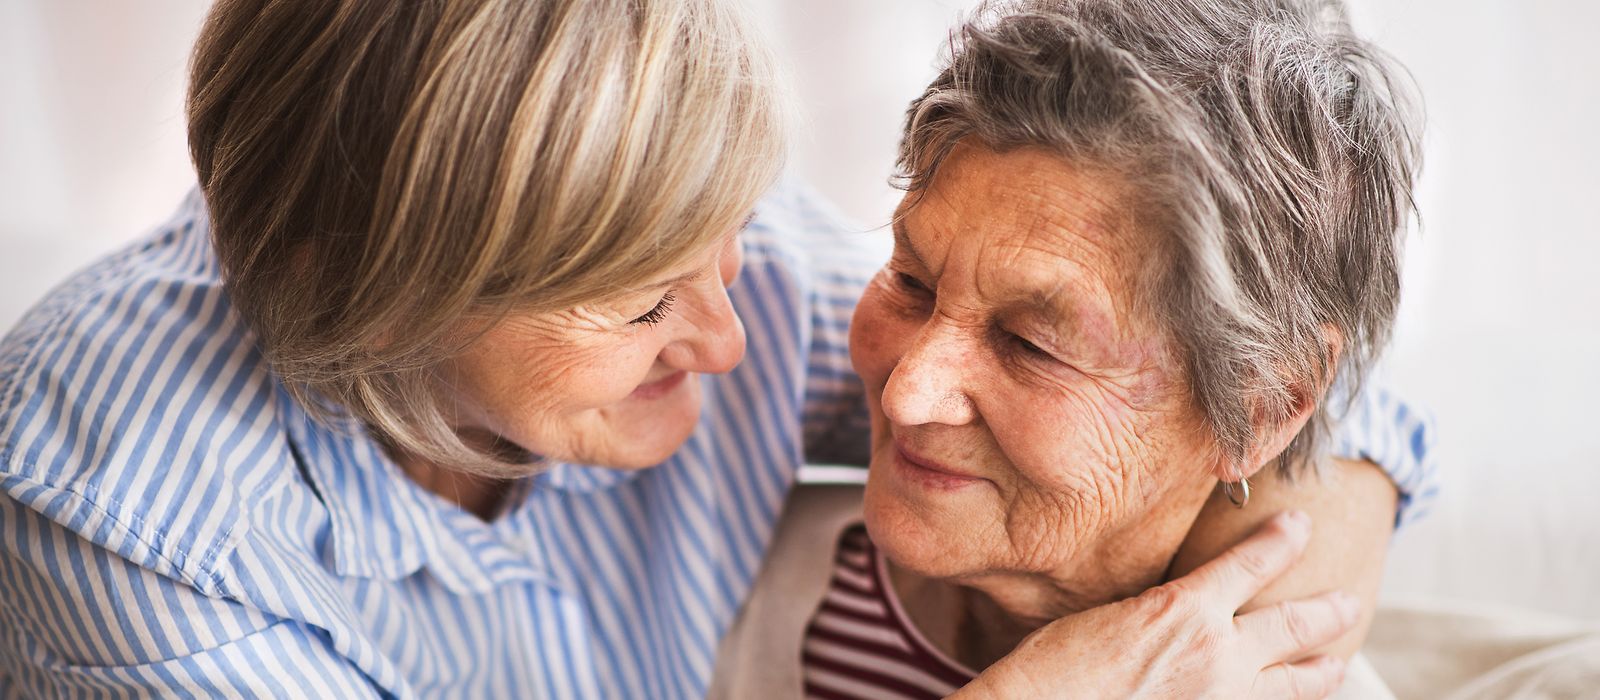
379 173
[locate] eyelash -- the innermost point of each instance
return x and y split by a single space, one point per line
1027 346
912 284
657 314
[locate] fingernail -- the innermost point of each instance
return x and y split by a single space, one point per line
1296 520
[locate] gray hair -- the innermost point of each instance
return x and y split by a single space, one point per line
1271 149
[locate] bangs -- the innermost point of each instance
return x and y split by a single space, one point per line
671 152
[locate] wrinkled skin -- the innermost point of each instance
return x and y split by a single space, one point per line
595 385
1183 639
1003 347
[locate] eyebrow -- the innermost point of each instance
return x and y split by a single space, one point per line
1056 309
902 241
680 279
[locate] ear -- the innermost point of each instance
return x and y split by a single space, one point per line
1275 432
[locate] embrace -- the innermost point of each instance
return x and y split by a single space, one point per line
484 358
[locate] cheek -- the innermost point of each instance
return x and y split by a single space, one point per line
595 378
1081 469
538 382
1067 440
1106 459
878 335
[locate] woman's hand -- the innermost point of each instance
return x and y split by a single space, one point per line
1183 639
1353 505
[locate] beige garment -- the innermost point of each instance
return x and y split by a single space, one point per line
1466 651
760 656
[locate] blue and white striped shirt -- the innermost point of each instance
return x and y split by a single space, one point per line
171 524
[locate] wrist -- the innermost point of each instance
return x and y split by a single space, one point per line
1001 679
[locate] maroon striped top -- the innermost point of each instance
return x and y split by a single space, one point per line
861 646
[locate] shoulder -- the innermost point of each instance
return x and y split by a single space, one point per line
802 263
72 617
1382 427
135 410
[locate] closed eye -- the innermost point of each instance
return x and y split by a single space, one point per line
658 313
1028 347
912 284
1020 345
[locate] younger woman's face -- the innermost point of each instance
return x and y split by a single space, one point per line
614 384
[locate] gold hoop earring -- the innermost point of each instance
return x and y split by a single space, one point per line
1233 497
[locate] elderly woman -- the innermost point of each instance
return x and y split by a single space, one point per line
1140 241
439 385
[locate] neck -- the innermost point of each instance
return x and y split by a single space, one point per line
966 623
987 631
479 495
979 621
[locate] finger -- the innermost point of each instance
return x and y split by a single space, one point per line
1292 629
1311 679
1239 573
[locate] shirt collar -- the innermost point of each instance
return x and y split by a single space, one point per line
384 525
577 478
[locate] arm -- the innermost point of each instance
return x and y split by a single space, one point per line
1386 474
1353 506
76 619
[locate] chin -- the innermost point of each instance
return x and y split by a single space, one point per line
925 541
645 434
649 453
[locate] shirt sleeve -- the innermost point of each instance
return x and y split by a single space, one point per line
1381 428
77 620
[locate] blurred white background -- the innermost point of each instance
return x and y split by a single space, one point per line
1500 330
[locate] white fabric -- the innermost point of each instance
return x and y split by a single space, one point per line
1462 651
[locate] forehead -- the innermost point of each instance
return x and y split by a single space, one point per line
1027 225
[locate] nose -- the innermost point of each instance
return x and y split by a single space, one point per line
715 342
926 384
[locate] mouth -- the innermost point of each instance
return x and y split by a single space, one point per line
660 387
930 473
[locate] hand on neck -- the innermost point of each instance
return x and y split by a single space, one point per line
979 623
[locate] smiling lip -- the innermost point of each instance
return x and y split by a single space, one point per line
930 473
659 387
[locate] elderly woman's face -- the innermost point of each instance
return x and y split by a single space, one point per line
610 384
1027 416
